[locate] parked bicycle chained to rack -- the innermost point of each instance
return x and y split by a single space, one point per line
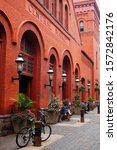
43 132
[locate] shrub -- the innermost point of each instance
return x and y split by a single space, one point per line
82 88
90 99
21 109
24 102
54 104
77 100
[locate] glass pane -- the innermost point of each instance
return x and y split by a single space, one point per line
28 47
24 65
30 66
22 45
81 26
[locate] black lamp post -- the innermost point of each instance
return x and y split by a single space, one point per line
64 78
19 62
76 81
76 84
50 73
88 88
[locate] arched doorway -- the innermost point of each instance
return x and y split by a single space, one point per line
77 78
2 62
53 64
66 86
30 50
76 83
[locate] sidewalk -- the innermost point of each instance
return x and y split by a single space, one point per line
66 135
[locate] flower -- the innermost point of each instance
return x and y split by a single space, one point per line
19 116
30 116
54 104
23 115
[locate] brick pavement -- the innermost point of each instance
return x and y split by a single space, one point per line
66 135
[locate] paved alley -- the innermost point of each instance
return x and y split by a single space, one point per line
66 135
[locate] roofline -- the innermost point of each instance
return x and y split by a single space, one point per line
66 31
84 53
89 2
77 22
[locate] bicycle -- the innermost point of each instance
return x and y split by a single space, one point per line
25 134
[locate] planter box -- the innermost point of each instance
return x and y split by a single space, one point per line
52 117
17 126
77 111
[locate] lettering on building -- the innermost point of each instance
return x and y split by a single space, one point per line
46 22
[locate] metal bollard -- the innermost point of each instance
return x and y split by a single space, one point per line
37 135
82 115
98 109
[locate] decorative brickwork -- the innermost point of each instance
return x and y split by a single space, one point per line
53 39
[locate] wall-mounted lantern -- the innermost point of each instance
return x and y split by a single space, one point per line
50 73
20 62
64 78
76 83
88 85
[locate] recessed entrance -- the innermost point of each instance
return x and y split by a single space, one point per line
25 85
66 87
30 78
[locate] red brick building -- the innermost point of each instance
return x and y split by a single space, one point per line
47 33
88 18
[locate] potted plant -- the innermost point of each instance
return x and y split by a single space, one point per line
21 113
24 102
77 106
91 103
97 89
53 111
82 88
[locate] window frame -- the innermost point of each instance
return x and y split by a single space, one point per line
27 56
81 26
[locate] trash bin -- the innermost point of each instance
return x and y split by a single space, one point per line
37 134
82 115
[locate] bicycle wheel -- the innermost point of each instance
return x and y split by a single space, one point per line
23 137
45 132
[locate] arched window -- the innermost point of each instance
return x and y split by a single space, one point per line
26 48
53 64
81 26
30 49
83 81
66 17
76 77
60 11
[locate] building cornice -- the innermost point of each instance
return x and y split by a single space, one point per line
89 5
84 53
54 18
